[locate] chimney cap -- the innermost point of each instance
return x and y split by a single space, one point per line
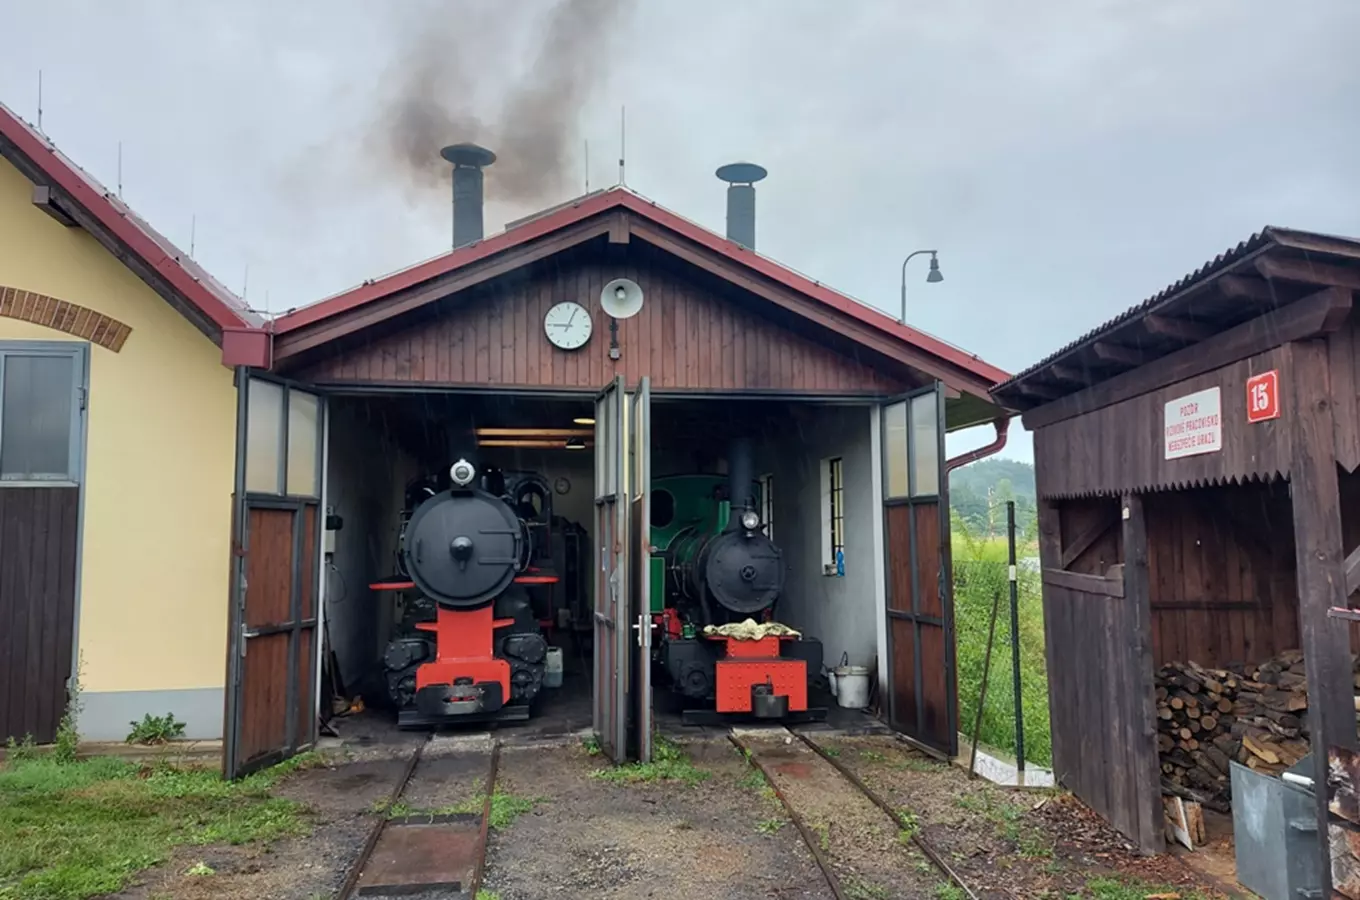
741 173
468 155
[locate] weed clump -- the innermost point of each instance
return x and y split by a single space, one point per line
669 763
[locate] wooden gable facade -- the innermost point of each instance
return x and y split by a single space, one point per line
694 333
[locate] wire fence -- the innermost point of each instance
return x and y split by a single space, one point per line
982 586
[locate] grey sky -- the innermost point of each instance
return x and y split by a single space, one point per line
1068 157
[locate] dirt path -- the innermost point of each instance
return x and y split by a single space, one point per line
709 832
1004 843
867 851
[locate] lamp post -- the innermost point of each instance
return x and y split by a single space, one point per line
934 276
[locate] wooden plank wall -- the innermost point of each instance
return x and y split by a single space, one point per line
1343 362
1092 664
1221 564
1119 448
687 336
39 531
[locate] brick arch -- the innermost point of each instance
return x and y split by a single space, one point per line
80 321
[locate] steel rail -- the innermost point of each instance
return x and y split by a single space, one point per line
822 863
484 833
924 845
356 870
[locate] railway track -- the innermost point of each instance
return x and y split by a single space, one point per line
423 852
815 846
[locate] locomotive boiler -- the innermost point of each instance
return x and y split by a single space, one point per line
716 578
468 645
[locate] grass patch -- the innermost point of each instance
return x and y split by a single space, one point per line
484 894
73 830
1133 889
505 808
669 763
770 826
1009 820
948 890
911 826
980 574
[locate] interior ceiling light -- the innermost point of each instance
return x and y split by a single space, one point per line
529 443
536 433
583 420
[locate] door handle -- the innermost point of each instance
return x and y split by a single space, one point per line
644 629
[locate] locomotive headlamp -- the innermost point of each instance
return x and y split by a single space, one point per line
750 520
462 473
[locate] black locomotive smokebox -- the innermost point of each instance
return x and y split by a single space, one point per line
744 571
463 547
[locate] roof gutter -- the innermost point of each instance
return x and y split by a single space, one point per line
1002 425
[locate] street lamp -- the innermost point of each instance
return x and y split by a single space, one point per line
934 276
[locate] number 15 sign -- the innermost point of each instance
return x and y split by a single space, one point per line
1263 396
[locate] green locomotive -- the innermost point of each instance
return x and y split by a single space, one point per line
713 565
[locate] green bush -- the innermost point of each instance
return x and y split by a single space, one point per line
980 576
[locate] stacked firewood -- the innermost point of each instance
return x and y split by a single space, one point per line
1206 718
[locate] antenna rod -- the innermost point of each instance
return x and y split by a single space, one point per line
120 170
587 167
193 233
40 99
623 137
245 283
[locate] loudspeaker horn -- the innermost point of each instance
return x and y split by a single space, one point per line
621 298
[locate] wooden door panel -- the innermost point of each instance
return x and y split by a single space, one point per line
39 533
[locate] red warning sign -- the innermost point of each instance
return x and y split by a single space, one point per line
1263 396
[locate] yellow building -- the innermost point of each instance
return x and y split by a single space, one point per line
117 448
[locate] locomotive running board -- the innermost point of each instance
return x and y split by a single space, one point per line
413 718
713 717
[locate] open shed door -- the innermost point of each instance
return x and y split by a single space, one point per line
640 550
609 710
275 574
922 695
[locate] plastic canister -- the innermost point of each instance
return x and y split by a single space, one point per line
552 669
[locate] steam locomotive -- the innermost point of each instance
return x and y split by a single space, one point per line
468 644
714 565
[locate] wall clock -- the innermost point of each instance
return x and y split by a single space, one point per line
568 325
562 485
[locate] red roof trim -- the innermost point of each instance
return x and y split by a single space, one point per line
622 198
193 284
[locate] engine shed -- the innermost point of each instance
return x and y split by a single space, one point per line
1197 461
604 357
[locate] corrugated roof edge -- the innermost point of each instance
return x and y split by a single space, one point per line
598 202
190 280
1270 234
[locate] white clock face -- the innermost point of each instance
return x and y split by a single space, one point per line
568 325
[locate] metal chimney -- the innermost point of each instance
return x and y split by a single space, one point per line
741 201
468 161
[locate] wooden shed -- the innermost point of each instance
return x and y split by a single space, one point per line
1196 463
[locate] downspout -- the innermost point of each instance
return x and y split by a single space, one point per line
1002 425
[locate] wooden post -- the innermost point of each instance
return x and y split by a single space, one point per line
1317 548
1050 554
1140 709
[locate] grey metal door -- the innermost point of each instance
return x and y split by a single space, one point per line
272 645
640 548
609 712
922 692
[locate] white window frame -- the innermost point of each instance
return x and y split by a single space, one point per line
832 508
766 482
78 353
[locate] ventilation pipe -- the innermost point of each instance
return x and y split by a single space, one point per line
741 201
468 161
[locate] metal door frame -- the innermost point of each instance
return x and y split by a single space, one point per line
296 738
917 729
640 512
611 490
